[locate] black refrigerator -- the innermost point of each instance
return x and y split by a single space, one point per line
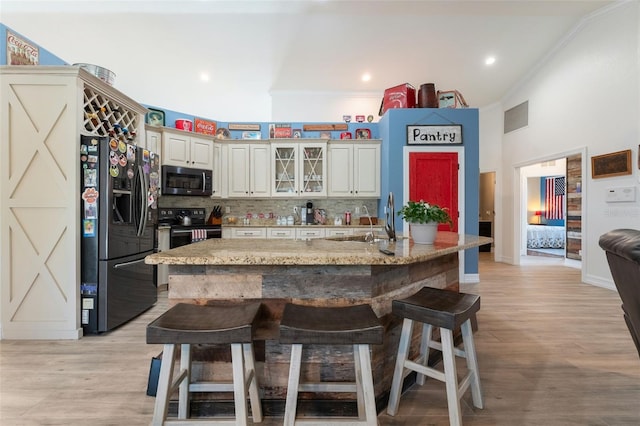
118 202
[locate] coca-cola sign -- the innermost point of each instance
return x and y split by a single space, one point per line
20 51
205 127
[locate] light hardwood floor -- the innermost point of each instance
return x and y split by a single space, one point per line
552 351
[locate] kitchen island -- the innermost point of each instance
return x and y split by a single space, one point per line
319 272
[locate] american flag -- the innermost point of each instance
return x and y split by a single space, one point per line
554 198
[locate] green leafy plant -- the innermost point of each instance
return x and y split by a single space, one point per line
421 212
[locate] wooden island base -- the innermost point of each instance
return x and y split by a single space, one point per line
213 271
317 286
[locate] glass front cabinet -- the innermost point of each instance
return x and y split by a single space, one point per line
299 168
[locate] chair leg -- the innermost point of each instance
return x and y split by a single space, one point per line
425 341
451 377
239 384
360 397
472 363
254 393
183 390
164 384
398 372
292 387
366 378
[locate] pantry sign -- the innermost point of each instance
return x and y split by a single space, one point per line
427 134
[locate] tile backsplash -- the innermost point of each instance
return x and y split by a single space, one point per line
278 206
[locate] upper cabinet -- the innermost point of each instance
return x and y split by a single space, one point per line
220 170
354 169
186 150
249 171
299 169
153 140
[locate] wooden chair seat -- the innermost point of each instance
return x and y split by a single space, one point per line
440 308
187 324
202 324
330 326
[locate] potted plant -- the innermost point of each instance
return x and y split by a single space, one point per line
424 219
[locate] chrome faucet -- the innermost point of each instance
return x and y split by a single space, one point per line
390 219
370 236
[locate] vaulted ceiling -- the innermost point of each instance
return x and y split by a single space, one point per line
161 48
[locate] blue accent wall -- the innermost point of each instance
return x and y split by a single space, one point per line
44 56
393 131
170 118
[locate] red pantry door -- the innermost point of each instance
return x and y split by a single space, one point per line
433 177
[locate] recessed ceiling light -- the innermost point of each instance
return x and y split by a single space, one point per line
204 76
490 60
366 76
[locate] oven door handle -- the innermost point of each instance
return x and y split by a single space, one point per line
188 231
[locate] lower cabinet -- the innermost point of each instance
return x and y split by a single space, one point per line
164 243
338 232
309 233
285 233
295 232
248 232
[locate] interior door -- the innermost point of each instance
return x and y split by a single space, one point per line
433 177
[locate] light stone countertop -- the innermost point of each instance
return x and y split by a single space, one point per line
312 252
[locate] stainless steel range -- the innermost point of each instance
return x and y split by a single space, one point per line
183 233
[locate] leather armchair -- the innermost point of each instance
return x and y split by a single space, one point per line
622 247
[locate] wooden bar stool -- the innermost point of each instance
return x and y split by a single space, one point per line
353 325
447 310
187 324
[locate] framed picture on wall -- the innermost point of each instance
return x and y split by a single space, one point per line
613 164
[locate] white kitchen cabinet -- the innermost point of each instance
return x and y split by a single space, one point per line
186 150
377 231
354 169
153 140
219 180
299 169
164 243
283 233
307 233
43 111
249 170
248 232
338 232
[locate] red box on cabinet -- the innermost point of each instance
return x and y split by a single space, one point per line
401 96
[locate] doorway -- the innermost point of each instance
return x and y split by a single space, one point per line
487 209
551 210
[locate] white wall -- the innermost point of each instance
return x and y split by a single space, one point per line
323 106
585 95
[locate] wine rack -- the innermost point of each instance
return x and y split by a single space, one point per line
103 116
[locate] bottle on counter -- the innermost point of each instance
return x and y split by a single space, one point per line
347 218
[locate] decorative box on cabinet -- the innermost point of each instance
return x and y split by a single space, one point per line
299 169
186 150
354 169
249 172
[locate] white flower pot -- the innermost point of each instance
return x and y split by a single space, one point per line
424 233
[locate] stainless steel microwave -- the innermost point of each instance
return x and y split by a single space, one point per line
186 181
